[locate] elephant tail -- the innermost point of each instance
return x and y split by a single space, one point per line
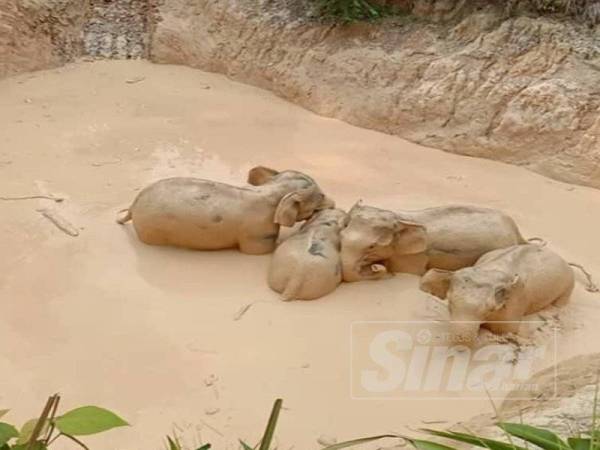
124 218
591 286
293 286
538 241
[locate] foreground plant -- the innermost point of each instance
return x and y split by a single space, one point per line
41 432
174 444
540 437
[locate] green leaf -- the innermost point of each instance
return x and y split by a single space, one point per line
245 446
27 430
490 444
7 432
204 447
265 442
359 441
88 420
537 436
579 443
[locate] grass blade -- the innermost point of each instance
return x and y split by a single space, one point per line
537 436
265 442
427 445
472 439
173 445
579 443
359 441
594 430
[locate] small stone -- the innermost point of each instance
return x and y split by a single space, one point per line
211 411
211 379
135 80
305 366
326 440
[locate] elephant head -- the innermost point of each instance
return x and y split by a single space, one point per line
373 237
474 296
297 195
333 217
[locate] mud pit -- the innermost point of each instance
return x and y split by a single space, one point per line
104 319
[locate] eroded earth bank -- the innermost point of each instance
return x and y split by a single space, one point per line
468 77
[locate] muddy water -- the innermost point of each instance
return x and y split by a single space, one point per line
151 332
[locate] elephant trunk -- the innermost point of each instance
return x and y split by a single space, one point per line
351 267
327 203
356 268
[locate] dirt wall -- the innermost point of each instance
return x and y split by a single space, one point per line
523 89
39 34
455 75
560 398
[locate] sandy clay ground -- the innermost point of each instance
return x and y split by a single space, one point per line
152 332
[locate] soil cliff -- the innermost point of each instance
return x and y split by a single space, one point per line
560 398
468 77
39 34
522 89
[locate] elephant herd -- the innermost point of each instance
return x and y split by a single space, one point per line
475 258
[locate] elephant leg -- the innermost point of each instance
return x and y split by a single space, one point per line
415 264
503 327
563 300
151 236
451 261
257 246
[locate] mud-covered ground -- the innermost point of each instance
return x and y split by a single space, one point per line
154 333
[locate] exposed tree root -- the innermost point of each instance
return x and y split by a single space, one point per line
591 286
33 197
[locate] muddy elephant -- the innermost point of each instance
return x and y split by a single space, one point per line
500 289
446 237
307 265
206 215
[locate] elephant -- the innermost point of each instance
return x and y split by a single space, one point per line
206 215
445 237
307 265
500 289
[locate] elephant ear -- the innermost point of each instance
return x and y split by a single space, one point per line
356 206
260 175
288 209
411 238
385 235
344 221
503 293
436 282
